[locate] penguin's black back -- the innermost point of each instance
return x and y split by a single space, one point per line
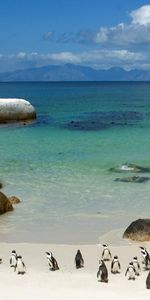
79 260
148 281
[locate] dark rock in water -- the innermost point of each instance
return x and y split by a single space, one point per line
102 120
14 200
1 185
138 230
5 204
134 179
85 125
130 168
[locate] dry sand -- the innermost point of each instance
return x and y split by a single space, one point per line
68 283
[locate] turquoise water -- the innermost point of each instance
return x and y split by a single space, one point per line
59 165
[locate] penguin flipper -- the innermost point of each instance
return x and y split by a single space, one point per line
126 272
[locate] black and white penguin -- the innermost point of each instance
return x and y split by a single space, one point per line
146 259
106 254
148 281
136 266
13 259
53 265
130 271
102 274
115 265
20 266
79 262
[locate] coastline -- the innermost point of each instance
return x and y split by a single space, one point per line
68 282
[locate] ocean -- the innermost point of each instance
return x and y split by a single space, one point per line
59 165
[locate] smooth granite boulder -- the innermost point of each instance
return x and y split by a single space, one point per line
13 110
138 230
5 204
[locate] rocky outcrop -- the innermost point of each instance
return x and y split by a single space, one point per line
14 110
130 168
5 204
138 230
133 179
14 200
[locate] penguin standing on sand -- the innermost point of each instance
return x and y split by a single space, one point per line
115 265
146 258
53 265
102 274
20 266
13 259
130 271
148 281
106 254
136 266
79 262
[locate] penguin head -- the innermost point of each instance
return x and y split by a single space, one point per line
49 254
142 248
105 245
13 252
131 263
135 257
19 257
115 257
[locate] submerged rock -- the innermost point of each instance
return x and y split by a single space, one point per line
89 121
134 179
13 110
14 200
130 168
138 230
5 204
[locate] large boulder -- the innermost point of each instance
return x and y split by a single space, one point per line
12 110
5 204
138 230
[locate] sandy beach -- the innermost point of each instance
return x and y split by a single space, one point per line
68 282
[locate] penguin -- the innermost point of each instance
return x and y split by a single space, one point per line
136 266
115 265
79 262
53 265
148 281
1 260
144 252
13 259
106 255
146 259
102 274
20 266
130 271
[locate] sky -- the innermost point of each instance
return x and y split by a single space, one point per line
97 33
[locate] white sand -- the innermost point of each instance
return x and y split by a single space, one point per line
68 283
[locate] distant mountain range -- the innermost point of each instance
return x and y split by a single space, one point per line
69 72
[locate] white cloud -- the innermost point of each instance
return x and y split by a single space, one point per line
65 57
100 59
141 15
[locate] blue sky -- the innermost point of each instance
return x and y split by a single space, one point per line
96 33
